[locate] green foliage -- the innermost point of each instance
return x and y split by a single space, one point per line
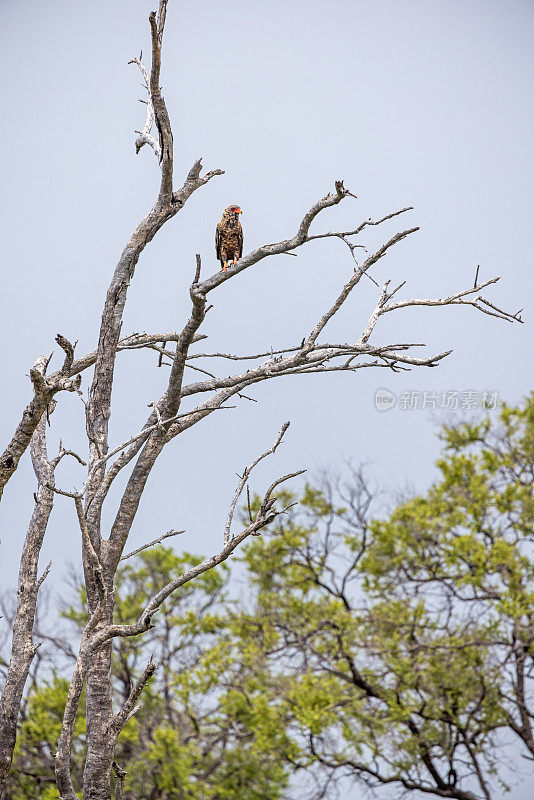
470 533
403 640
33 772
391 648
205 728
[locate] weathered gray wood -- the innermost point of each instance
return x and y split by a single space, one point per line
44 389
102 550
23 647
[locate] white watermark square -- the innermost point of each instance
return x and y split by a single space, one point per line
384 400
445 399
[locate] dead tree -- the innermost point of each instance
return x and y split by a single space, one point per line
102 550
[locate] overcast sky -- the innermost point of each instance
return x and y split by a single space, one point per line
417 103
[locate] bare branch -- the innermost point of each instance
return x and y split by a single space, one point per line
150 544
169 406
458 299
62 453
244 478
68 348
265 516
231 357
130 706
359 229
120 775
144 136
155 603
83 662
347 289
161 116
298 239
136 341
44 390
373 319
44 575
22 647
274 485
89 549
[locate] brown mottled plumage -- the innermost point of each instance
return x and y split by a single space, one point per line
229 237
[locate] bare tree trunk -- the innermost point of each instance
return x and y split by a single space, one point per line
101 554
100 742
23 649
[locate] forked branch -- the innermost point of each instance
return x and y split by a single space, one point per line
167 419
243 479
44 389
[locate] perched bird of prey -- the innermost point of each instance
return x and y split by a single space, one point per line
229 237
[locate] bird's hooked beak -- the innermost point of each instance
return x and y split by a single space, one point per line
238 211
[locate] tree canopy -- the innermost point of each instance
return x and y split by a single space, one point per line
389 648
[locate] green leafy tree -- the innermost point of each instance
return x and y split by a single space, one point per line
389 649
202 729
32 774
402 647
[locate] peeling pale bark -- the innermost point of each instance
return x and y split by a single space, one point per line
102 550
44 390
23 648
99 708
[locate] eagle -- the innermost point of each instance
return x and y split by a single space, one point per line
229 237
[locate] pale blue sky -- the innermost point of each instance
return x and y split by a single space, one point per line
413 103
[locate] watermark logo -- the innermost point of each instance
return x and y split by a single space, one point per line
384 400
436 400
